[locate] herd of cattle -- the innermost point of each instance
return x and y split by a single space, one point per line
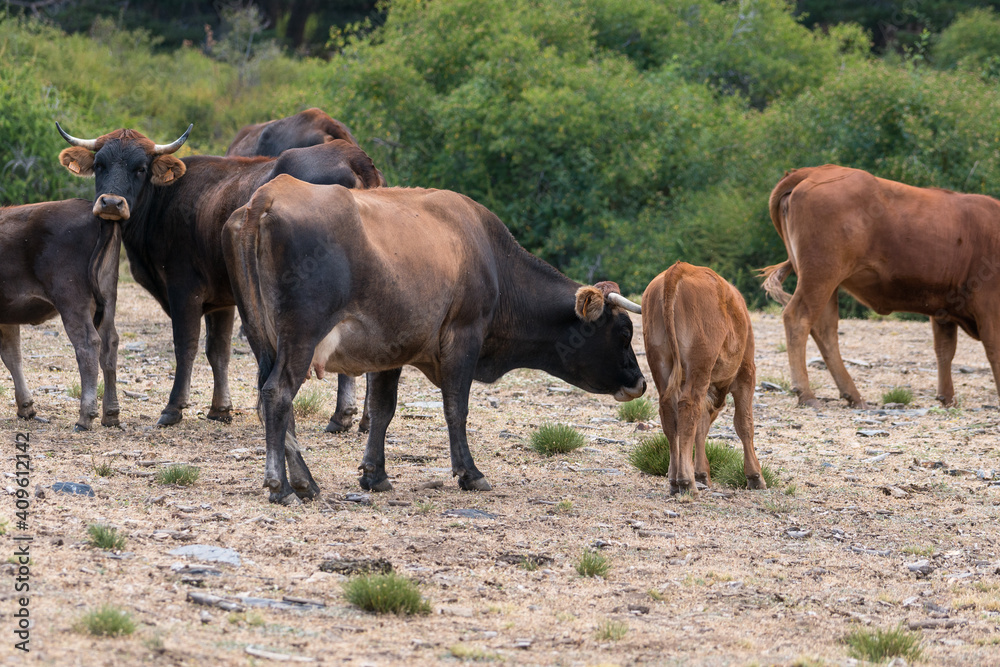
332 271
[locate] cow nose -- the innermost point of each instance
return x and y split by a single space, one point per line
635 391
111 207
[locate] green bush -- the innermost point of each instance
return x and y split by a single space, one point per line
636 410
725 464
106 621
552 439
386 594
592 564
971 43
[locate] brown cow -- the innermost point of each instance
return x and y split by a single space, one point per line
57 258
699 344
892 247
306 128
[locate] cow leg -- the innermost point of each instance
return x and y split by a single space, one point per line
185 318
366 420
218 348
668 420
742 391
945 343
824 332
298 472
343 416
109 365
382 390
455 394
690 409
276 396
87 345
10 352
702 472
800 314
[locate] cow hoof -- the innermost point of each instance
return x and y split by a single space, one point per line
337 426
79 428
474 484
306 492
288 499
111 422
858 405
683 487
702 478
809 403
756 482
169 418
26 411
371 483
222 416
364 424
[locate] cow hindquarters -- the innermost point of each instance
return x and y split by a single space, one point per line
284 377
382 390
10 352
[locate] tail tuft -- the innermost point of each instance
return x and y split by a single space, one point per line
774 275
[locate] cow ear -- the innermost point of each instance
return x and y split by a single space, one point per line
166 170
589 303
78 160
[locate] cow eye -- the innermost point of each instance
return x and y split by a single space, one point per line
98 167
140 170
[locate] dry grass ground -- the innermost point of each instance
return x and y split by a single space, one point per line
776 577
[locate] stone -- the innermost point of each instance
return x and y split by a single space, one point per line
208 553
73 489
468 514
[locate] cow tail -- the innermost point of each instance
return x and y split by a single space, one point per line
774 275
677 369
103 268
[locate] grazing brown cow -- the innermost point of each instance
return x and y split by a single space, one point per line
270 139
699 344
399 276
892 247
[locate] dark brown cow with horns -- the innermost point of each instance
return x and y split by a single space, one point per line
427 278
699 344
57 258
892 247
171 213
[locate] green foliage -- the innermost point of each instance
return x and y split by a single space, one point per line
386 594
181 475
636 410
106 621
308 401
880 645
725 464
552 439
898 395
610 630
592 564
105 537
971 43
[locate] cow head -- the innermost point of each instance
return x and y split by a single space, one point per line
122 163
596 350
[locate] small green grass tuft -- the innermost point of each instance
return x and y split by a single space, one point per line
106 621
308 402
386 594
102 469
564 506
425 506
529 564
636 410
105 537
881 645
898 395
592 564
552 439
725 463
181 475
467 653
612 630
74 391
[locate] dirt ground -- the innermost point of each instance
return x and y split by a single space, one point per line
774 577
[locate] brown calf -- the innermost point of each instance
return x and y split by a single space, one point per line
699 344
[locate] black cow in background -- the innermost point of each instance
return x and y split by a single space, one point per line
171 213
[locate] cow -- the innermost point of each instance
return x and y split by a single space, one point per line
699 344
892 247
171 213
306 128
59 259
270 139
426 278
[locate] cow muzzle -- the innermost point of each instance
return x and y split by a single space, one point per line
111 207
635 391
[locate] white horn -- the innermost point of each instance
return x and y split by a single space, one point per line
89 144
164 149
630 306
